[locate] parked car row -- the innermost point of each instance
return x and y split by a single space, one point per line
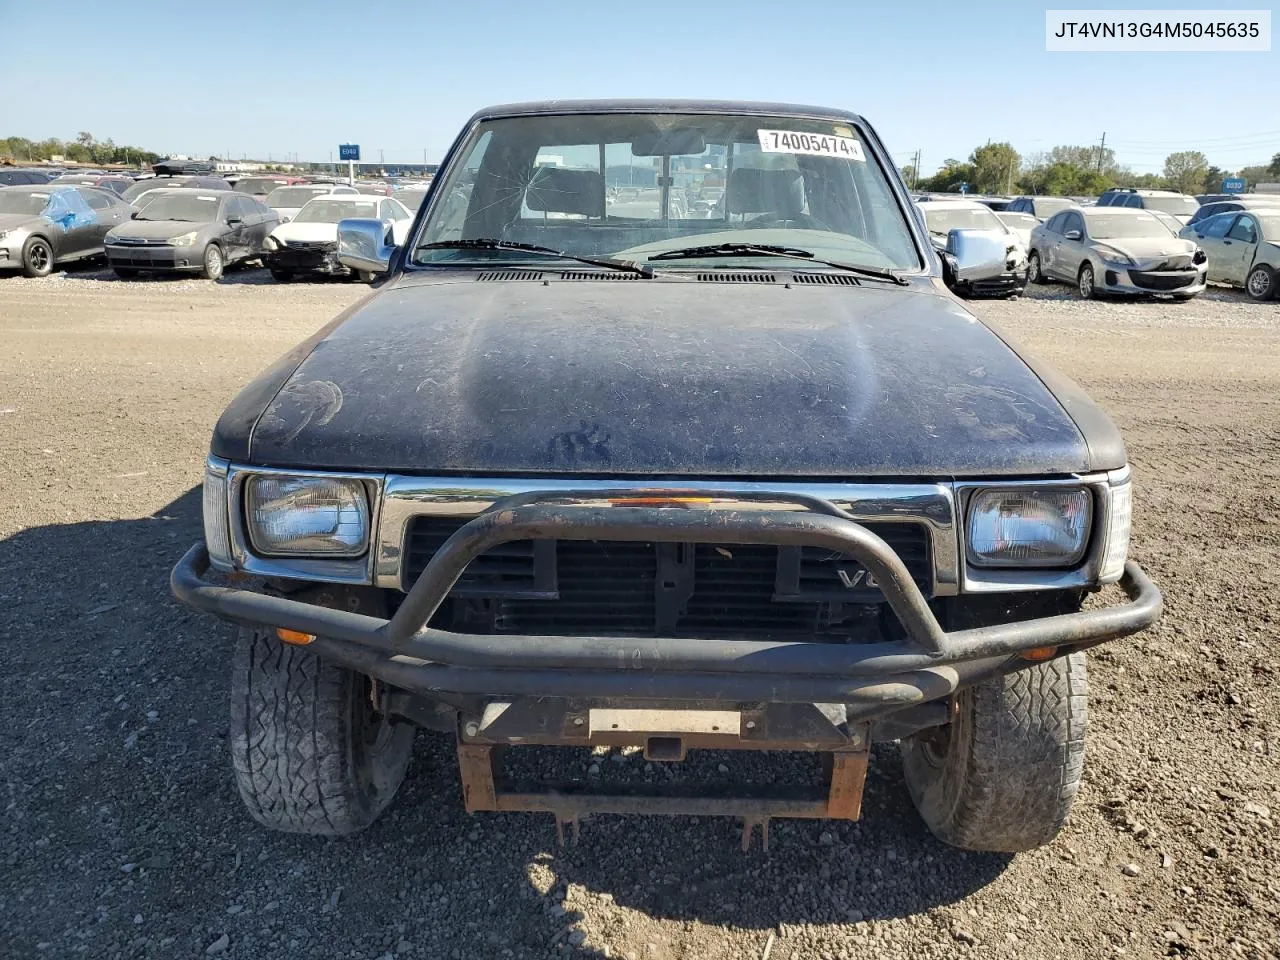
197 224
1164 243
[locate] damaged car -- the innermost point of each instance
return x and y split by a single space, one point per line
47 225
1113 250
957 226
695 487
308 244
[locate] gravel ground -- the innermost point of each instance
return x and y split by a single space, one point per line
123 835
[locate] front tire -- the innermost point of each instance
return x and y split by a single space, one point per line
1003 774
310 753
282 276
125 273
1034 273
213 263
1086 284
1261 283
37 257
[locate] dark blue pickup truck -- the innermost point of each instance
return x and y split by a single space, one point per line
662 432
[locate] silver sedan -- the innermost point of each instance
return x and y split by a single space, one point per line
1116 250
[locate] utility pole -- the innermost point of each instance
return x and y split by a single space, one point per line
1101 149
915 171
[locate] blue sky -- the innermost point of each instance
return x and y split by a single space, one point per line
291 77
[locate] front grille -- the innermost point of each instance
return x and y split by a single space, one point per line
1182 262
1163 281
570 587
310 246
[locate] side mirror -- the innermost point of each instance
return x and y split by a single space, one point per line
977 254
365 244
1072 234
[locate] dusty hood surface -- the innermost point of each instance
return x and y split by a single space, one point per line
650 377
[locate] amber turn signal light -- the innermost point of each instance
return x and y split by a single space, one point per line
295 637
1038 654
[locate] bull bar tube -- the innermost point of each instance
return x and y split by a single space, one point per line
842 686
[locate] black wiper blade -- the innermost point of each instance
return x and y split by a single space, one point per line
775 250
489 243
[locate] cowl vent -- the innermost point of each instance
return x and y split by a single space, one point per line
842 279
499 276
737 278
597 275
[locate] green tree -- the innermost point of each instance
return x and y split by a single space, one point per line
995 166
908 171
1273 167
949 178
1185 170
1212 180
1102 159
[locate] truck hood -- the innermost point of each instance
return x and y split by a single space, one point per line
661 378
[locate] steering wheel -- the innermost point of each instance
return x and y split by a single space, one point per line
804 220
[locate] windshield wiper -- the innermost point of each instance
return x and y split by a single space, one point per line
488 243
773 250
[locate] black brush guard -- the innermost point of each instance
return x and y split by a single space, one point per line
659 692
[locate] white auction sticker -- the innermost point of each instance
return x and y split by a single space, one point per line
811 144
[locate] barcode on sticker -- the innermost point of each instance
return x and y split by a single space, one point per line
811 144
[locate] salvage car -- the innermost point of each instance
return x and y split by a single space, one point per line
115 184
16 176
1021 224
259 187
1116 250
1214 207
46 225
953 224
190 231
309 242
1042 208
1176 204
138 188
1243 249
287 201
747 482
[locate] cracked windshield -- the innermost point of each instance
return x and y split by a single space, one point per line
636 187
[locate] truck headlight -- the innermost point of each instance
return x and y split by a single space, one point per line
1029 528
307 516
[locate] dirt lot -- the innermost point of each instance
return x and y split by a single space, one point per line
123 835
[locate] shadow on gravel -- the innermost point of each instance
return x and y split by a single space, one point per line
123 835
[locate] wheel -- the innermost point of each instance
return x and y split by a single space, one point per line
1085 283
284 276
1034 273
1261 282
124 273
213 262
37 257
1003 774
310 752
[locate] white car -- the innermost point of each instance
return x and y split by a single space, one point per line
309 242
1020 223
287 201
949 221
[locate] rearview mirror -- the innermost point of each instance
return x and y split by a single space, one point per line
1072 234
365 244
977 254
678 141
